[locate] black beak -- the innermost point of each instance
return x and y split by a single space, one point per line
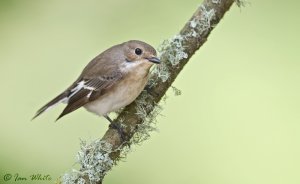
154 60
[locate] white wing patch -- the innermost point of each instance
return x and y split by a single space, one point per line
81 85
90 93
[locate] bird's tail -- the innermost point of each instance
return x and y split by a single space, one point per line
63 97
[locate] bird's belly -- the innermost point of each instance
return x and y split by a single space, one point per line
119 96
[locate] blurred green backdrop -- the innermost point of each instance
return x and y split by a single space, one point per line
236 122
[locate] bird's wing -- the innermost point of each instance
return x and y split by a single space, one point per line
100 74
89 89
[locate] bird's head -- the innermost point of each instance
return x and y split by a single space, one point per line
140 53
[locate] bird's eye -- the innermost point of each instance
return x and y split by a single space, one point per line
138 51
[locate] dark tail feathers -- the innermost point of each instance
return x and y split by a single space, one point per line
50 104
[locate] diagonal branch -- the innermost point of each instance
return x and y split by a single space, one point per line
98 157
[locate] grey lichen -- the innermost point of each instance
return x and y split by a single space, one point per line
176 91
81 181
162 72
71 177
173 50
95 161
202 24
142 105
216 1
95 157
149 119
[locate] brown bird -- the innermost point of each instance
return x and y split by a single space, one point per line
110 81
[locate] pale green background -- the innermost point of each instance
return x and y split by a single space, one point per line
236 122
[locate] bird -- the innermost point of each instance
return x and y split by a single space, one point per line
110 81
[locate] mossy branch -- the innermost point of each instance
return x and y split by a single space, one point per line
98 157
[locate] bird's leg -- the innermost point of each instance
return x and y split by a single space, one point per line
117 126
